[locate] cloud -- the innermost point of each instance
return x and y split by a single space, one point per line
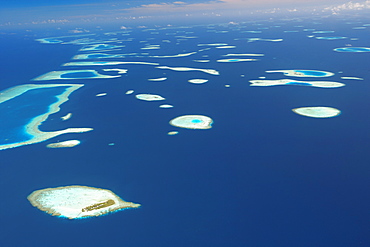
349 6
218 5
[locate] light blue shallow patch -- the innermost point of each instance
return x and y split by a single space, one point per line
23 109
331 38
196 121
78 75
299 83
315 73
352 49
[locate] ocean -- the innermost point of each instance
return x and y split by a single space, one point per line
261 176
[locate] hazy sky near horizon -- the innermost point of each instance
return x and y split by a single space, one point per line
40 3
35 10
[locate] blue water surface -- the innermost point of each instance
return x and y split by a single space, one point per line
261 176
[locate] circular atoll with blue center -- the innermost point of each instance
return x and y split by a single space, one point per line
317 111
192 122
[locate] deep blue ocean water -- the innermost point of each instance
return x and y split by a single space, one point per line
262 176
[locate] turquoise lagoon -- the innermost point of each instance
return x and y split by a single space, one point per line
303 73
24 108
72 74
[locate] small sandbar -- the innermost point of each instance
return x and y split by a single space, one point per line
64 144
317 111
99 47
215 44
72 74
303 73
352 78
192 122
105 63
172 133
151 47
226 47
98 56
101 94
158 79
359 28
208 71
233 60
201 61
177 55
251 32
75 202
352 49
330 38
197 81
66 117
323 32
321 84
243 54
119 71
149 97
268 40
166 106
129 92
187 37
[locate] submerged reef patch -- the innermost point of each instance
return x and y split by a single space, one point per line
72 74
104 63
100 47
208 71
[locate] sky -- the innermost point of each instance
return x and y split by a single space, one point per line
35 11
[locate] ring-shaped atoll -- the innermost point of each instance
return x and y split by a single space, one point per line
192 122
317 111
72 74
75 202
303 73
320 84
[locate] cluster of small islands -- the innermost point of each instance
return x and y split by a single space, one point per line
77 201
